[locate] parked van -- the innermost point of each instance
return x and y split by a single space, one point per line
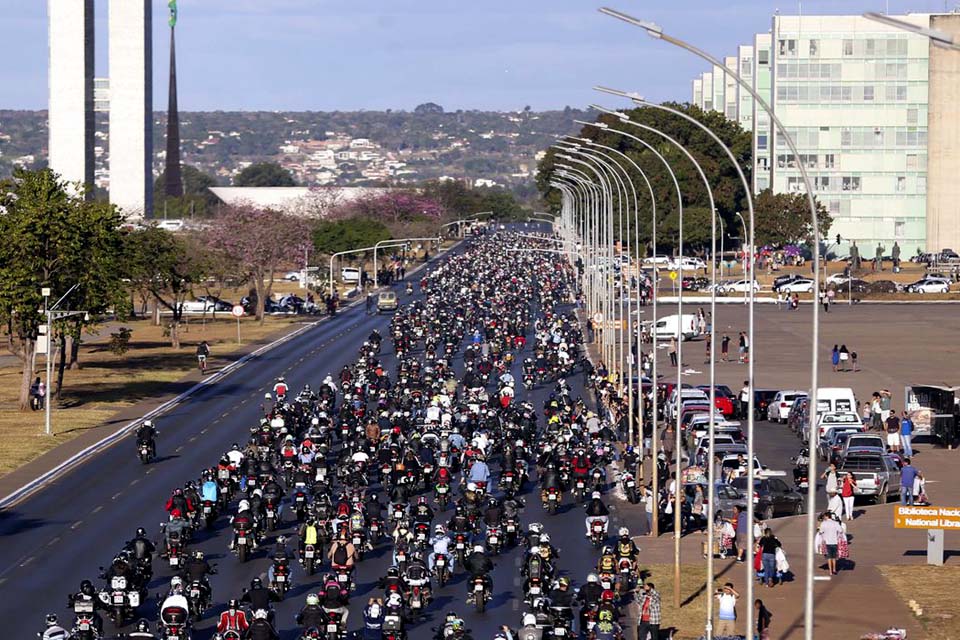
836 400
683 327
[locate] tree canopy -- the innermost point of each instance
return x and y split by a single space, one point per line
197 198
784 218
264 174
334 236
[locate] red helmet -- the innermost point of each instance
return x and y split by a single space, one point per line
607 595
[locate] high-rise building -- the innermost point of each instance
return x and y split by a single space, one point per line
70 115
858 97
131 106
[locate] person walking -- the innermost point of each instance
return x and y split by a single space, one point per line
795 302
667 442
369 308
745 399
673 351
853 362
762 615
727 598
906 435
893 432
830 475
649 623
848 491
835 358
768 545
740 522
830 532
725 348
844 357
742 348
908 473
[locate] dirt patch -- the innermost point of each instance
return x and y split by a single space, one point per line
934 590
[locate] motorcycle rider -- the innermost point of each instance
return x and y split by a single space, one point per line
440 544
342 553
141 548
259 597
280 557
179 502
142 631
422 512
175 598
280 389
312 614
233 619
529 630
260 628
373 619
626 548
196 569
209 490
417 574
596 510
244 520
334 598
477 564
147 433
53 630
86 599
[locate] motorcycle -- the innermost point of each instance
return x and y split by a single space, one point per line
145 451
174 624
443 495
281 577
392 627
272 516
334 627
197 599
84 627
511 529
494 540
244 546
534 590
300 503
480 593
441 569
209 513
553 500
629 485
120 599
626 575
174 550
579 488
343 579
800 468
460 547
528 381
418 600
597 532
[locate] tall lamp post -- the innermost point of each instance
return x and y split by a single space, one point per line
656 31
53 314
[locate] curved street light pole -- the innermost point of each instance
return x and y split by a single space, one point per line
656 31
593 196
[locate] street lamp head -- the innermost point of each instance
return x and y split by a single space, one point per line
653 29
619 114
633 95
598 125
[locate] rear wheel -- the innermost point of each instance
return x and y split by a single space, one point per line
242 553
798 508
768 513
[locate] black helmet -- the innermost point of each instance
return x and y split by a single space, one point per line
143 626
86 588
233 604
256 583
141 532
51 619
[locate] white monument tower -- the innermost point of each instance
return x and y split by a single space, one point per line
70 115
131 106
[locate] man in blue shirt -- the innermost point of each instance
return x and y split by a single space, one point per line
907 475
906 432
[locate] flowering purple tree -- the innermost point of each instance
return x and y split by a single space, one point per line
259 241
394 207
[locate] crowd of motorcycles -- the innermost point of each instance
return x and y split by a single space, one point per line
436 462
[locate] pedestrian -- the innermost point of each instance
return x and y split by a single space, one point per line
673 351
835 358
844 357
768 545
893 432
906 435
763 616
724 348
746 347
369 309
649 623
742 348
830 475
709 343
727 598
667 442
866 414
831 294
848 491
920 490
795 303
740 522
646 497
853 361
908 473
589 329
876 422
825 300
779 299
830 533
745 399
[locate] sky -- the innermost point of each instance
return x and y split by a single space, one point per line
326 55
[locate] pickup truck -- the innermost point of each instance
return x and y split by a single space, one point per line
864 443
877 475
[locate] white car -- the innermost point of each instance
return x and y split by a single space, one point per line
686 264
292 276
929 284
797 286
661 260
779 407
739 286
837 278
350 274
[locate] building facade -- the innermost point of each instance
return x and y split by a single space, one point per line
859 98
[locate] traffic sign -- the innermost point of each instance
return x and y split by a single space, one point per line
926 518
673 275
237 310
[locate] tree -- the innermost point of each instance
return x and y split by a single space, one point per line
428 107
167 266
398 206
334 236
52 239
264 174
197 198
259 241
784 218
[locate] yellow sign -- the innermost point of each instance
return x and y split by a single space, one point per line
673 275
926 518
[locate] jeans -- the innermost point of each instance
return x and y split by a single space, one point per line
769 561
906 496
451 559
644 628
905 441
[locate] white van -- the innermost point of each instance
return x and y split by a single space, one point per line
350 274
683 327
836 400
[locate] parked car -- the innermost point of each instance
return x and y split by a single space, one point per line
761 400
864 443
785 279
832 442
778 409
206 304
686 263
726 497
725 401
840 419
883 286
350 275
694 283
877 474
292 276
929 284
771 497
739 286
801 285
858 286
658 260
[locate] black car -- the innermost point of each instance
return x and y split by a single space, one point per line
772 497
762 398
779 281
694 283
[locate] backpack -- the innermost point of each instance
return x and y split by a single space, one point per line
533 567
607 563
340 556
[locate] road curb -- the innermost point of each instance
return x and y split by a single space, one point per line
80 457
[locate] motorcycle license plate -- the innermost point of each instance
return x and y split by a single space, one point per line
478 587
631 484
118 598
194 593
493 539
269 513
356 540
442 490
84 626
401 557
207 510
441 562
553 496
579 484
415 603
535 590
309 553
281 578
331 628
174 561
134 599
559 631
241 541
511 528
341 577
460 546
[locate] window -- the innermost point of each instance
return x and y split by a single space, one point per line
746 67
829 161
848 47
901 183
762 141
763 57
834 206
912 115
868 92
899 226
911 161
921 184
870 48
850 183
787 48
814 48
901 93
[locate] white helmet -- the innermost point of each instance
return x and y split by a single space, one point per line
260 614
624 531
592 578
478 548
534 550
545 537
529 620
596 495
243 506
471 486
148 423
176 582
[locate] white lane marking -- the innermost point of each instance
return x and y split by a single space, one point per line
76 524
134 481
53 541
27 561
178 449
97 509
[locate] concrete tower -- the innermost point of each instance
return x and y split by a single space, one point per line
131 105
70 116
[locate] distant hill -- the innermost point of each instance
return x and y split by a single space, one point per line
344 147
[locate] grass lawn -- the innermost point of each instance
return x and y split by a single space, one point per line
932 588
106 383
690 619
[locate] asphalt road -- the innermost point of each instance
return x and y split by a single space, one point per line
62 534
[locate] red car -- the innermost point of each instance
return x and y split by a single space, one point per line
724 399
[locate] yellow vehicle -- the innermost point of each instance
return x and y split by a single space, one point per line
386 301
